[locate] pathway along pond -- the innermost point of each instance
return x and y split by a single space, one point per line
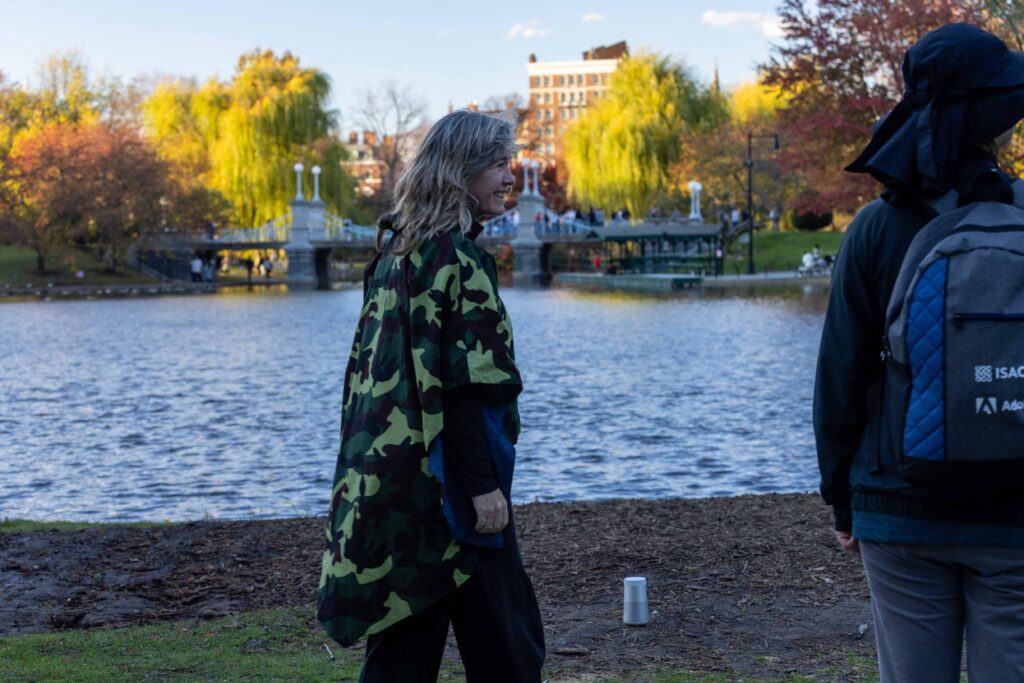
228 406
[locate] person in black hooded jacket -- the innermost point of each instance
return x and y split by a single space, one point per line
937 569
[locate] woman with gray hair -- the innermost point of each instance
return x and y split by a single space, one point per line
420 532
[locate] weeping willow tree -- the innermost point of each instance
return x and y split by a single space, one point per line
241 138
623 151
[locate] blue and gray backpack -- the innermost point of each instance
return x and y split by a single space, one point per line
955 351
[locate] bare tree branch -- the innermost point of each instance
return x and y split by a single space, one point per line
393 115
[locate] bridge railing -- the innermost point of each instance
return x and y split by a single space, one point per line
276 230
337 229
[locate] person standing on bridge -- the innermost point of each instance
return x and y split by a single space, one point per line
420 532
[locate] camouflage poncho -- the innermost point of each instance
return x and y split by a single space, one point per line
431 320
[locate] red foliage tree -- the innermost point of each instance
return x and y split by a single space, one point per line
127 180
839 63
73 182
44 194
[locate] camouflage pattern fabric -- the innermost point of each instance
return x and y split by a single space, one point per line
431 320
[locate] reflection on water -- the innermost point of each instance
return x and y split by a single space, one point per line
228 405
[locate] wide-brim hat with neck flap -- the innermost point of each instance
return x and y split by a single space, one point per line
962 87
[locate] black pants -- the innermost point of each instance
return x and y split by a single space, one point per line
496 622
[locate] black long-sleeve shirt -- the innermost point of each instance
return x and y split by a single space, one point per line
847 391
465 440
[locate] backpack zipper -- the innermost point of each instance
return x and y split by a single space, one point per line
960 318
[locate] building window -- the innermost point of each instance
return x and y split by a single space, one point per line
547 98
604 78
593 79
570 79
548 132
547 81
547 114
550 148
561 80
583 97
540 114
563 98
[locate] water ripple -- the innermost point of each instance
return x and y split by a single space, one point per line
228 406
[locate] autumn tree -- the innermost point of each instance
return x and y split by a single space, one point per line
93 183
715 156
63 92
42 196
242 137
625 148
125 183
838 65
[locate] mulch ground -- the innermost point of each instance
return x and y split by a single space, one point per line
751 584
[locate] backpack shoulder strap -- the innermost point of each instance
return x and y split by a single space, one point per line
1018 193
936 206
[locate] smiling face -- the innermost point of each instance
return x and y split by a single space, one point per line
491 187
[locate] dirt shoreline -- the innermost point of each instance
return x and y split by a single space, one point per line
749 584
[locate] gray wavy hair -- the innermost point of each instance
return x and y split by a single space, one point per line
432 195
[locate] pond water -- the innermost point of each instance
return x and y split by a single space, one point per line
228 406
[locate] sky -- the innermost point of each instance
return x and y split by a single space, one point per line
456 52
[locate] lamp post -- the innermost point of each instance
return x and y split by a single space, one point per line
298 168
749 163
164 203
316 183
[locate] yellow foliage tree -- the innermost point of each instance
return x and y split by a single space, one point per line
715 156
623 151
241 138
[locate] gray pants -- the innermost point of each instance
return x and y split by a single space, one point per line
927 598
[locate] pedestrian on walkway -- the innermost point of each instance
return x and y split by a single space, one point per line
944 556
196 268
421 532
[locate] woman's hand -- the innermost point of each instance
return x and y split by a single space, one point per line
847 541
491 512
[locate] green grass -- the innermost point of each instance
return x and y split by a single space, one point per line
781 251
18 268
269 645
278 645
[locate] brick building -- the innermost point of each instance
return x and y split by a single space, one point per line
363 164
561 91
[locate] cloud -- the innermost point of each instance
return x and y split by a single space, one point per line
526 31
767 24
593 16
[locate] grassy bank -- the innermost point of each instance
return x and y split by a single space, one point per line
18 268
270 645
777 252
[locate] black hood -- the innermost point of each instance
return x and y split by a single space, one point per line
963 87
